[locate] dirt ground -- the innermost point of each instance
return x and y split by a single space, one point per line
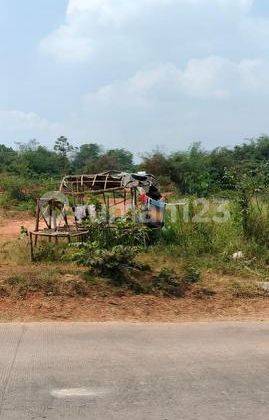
115 308
10 225
131 308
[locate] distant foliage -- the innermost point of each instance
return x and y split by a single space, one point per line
242 171
194 171
198 172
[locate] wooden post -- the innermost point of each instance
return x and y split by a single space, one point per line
133 197
50 214
31 247
65 220
124 205
37 220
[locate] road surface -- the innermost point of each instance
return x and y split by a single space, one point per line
127 371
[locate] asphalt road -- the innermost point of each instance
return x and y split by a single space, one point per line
134 371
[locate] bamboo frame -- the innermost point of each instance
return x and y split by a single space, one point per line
78 186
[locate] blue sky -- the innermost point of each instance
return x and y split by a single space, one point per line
134 74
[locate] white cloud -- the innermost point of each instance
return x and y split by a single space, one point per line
204 77
27 124
163 69
92 25
66 44
211 77
126 8
206 96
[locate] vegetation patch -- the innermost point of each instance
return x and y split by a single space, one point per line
246 289
194 256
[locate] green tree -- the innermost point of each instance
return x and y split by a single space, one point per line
122 158
34 160
114 160
86 157
190 171
248 179
63 149
8 158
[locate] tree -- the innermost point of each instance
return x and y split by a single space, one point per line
85 157
158 164
221 160
190 171
248 179
114 160
122 158
155 163
63 149
34 159
8 158
42 161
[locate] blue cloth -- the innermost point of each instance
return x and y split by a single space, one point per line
157 203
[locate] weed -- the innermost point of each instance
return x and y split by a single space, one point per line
50 252
193 275
168 283
246 289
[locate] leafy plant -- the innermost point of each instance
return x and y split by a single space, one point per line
192 275
50 252
104 262
124 231
169 284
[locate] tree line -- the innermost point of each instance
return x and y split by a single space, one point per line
193 171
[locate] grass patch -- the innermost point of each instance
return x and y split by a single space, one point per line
246 289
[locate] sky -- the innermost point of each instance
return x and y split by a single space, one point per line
136 74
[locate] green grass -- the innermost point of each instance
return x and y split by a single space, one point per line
184 252
215 243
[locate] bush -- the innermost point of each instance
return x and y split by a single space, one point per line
193 275
104 262
218 240
258 220
123 232
168 283
22 192
50 252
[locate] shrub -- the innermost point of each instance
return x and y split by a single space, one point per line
192 275
50 252
104 262
168 283
123 232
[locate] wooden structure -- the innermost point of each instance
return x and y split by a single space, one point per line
52 223
110 186
115 190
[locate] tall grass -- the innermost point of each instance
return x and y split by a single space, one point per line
209 237
258 220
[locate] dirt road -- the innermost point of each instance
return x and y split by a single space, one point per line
10 227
